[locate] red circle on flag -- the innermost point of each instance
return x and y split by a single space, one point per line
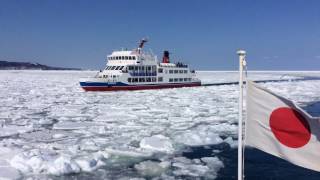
290 127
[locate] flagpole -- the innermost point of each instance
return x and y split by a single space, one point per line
242 55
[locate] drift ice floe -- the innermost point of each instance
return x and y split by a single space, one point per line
138 70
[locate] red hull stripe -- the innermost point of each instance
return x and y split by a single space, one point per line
138 87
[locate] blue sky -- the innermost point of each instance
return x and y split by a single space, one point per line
278 35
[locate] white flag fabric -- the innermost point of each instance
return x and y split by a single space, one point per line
279 127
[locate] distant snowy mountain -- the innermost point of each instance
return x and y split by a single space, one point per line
6 65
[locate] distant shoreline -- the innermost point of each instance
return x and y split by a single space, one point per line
7 65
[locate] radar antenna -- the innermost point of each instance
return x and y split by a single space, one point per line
142 42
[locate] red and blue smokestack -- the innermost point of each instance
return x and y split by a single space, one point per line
165 58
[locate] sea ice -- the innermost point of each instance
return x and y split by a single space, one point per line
157 143
64 165
48 125
151 168
232 143
11 130
198 138
9 173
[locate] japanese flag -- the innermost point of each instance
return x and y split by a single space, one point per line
279 127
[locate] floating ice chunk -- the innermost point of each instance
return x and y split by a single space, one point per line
63 165
89 145
12 130
9 173
86 164
194 170
6 154
128 153
73 125
19 162
157 143
213 162
46 121
32 161
231 142
100 156
183 160
198 138
207 167
37 163
58 136
151 168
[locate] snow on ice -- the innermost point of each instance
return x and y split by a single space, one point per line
49 126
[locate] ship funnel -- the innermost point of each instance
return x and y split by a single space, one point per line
165 58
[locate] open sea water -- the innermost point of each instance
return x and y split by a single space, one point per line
51 129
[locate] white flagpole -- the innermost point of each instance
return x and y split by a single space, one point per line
242 55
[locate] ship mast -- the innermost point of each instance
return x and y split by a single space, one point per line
141 44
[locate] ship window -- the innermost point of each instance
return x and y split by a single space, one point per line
185 79
176 71
170 80
170 71
181 79
189 79
148 79
113 58
136 68
181 71
175 79
121 67
185 71
154 68
130 57
160 79
129 79
149 68
142 68
113 67
127 57
142 80
160 70
122 57
135 79
116 57
133 58
130 67
154 79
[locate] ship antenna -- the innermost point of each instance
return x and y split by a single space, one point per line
142 42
